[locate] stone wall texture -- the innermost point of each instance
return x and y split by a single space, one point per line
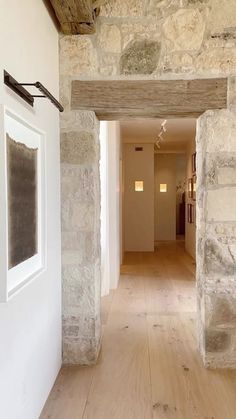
80 196
152 39
216 237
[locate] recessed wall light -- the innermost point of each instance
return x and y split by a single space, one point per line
163 187
138 186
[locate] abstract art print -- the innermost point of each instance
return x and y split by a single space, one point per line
22 187
22 202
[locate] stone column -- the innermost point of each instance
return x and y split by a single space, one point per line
216 237
80 212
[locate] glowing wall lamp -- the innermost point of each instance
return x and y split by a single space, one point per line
163 187
138 186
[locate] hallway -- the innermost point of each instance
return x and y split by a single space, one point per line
149 365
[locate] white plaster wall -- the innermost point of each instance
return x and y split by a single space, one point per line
30 323
110 204
165 203
138 206
190 229
122 201
114 199
104 175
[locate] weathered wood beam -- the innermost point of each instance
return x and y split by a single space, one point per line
120 99
76 16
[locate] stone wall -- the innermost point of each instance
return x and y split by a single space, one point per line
216 237
155 38
80 195
152 39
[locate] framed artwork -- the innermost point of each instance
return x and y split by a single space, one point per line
194 156
22 203
194 186
190 188
191 213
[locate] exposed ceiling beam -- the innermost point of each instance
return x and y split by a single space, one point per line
76 16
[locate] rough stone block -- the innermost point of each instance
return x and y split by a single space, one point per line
78 148
184 30
122 8
65 95
222 15
225 233
217 61
67 120
223 312
82 216
177 62
65 215
76 120
82 352
83 242
217 341
148 28
71 257
78 291
86 120
109 38
79 276
219 259
227 175
162 8
79 326
140 57
108 64
220 169
78 183
221 204
77 56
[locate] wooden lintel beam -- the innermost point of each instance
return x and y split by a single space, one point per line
75 16
122 99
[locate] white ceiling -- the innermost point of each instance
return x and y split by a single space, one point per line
179 132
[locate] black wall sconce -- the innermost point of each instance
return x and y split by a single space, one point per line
24 94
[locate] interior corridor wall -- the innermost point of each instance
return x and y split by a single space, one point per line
30 323
170 171
110 205
138 206
165 202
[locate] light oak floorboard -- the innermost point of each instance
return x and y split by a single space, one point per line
68 397
149 366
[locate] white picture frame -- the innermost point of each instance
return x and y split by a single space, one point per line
13 279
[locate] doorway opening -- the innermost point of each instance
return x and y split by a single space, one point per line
148 218
149 313
131 99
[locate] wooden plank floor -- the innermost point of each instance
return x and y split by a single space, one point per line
149 367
